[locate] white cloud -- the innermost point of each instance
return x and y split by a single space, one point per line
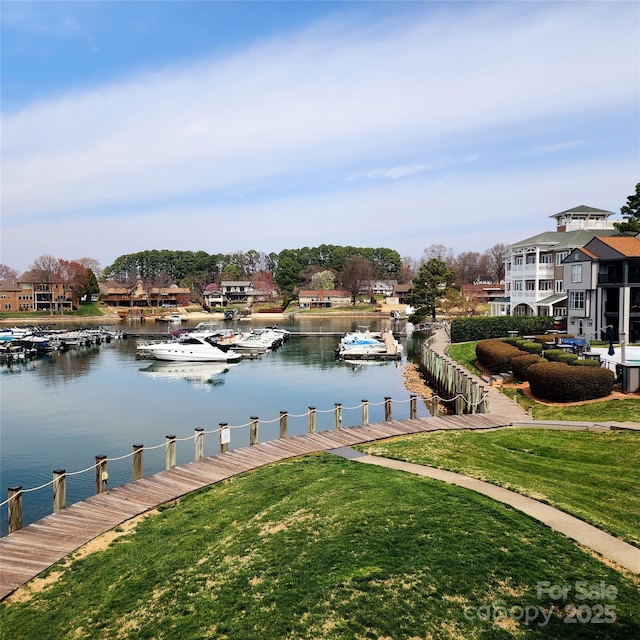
288 119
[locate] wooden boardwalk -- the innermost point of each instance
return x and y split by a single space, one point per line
27 552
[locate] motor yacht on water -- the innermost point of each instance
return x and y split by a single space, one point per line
190 348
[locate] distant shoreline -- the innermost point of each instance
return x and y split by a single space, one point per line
194 315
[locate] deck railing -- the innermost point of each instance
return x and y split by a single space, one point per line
459 403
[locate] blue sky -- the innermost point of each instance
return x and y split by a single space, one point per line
229 126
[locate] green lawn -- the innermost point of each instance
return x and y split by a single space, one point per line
592 475
323 548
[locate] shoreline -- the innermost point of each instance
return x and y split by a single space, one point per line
199 316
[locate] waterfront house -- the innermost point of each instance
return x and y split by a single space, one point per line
323 298
212 296
534 272
603 288
136 294
36 290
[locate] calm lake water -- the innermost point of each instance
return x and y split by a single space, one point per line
60 411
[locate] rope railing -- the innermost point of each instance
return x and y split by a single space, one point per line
100 468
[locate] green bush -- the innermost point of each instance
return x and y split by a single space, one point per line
559 355
520 364
485 327
559 382
529 347
586 363
496 355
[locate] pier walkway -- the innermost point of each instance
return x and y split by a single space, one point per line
29 551
498 402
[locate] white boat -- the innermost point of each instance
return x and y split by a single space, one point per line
261 339
366 344
190 348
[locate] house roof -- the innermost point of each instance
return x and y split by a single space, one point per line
583 208
628 246
560 240
551 300
34 276
10 284
323 293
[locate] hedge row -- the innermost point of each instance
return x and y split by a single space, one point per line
474 328
560 382
565 379
520 365
496 354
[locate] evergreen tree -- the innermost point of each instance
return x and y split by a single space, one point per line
91 285
429 287
631 214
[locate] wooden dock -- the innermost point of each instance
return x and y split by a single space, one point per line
29 551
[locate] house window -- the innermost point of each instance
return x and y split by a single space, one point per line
546 258
559 286
530 285
531 258
545 285
576 300
517 261
560 257
517 285
576 273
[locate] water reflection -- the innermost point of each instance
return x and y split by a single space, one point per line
63 410
202 375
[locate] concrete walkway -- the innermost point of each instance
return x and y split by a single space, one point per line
608 546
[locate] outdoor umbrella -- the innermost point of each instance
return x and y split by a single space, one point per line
610 334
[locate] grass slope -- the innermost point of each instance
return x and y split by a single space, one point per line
323 548
592 475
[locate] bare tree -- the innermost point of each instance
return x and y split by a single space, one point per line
91 263
408 270
46 267
439 252
356 274
495 261
7 272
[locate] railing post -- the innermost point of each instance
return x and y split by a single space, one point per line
198 444
253 431
102 474
283 424
483 407
435 409
138 461
170 452
387 408
225 437
338 416
15 508
312 419
59 490
365 412
413 407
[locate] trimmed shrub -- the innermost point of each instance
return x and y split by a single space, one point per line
586 363
529 347
558 382
496 355
474 328
520 364
558 355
